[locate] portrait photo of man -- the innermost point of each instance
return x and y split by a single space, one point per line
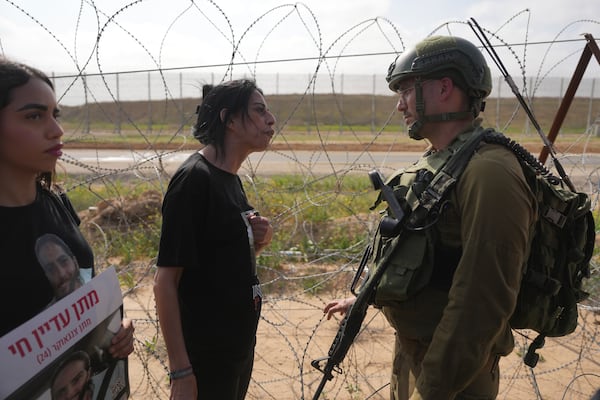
59 264
72 380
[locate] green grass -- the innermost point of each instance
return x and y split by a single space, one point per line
312 217
85 196
321 221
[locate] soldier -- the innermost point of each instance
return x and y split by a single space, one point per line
451 320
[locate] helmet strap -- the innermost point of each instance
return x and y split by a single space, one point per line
415 127
448 116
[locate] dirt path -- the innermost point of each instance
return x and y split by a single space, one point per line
292 333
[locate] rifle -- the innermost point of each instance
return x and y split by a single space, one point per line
350 325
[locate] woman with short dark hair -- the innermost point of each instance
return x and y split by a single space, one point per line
207 293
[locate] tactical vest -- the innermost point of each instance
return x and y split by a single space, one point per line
412 262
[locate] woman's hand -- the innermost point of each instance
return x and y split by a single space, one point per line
261 230
184 388
121 344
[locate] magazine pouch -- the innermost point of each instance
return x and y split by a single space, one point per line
408 268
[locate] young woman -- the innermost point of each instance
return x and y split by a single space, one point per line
30 207
207 294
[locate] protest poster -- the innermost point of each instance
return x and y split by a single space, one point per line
63 349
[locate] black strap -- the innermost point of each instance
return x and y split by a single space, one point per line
446 178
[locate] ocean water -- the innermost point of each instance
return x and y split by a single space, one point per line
137 86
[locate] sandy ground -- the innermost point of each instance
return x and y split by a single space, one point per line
292 332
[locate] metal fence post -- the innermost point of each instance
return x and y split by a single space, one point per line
181 98
87 106
589 118
308 104
373 97
118 121
341 97
149 105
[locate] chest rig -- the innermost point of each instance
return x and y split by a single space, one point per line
408 251
420 188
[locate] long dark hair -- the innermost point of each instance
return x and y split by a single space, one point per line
233 97
12 76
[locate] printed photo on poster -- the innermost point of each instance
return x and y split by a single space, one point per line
62 353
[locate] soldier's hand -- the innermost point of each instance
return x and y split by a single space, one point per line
339 305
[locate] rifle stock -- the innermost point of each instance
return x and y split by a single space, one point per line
350 325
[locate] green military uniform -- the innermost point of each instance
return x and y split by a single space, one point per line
452 331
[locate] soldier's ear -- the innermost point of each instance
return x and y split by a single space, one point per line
446 85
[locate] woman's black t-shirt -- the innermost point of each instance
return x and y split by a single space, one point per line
204 232
24 288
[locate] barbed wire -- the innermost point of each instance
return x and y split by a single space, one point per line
299 278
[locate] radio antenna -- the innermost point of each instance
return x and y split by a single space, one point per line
511 83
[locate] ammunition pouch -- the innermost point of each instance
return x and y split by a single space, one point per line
408 268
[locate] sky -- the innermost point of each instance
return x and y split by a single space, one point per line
118 35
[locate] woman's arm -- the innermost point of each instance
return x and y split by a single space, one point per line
166 281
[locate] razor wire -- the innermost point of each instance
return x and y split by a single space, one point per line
300 278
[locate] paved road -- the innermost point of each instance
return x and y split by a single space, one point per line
270 162
583 170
